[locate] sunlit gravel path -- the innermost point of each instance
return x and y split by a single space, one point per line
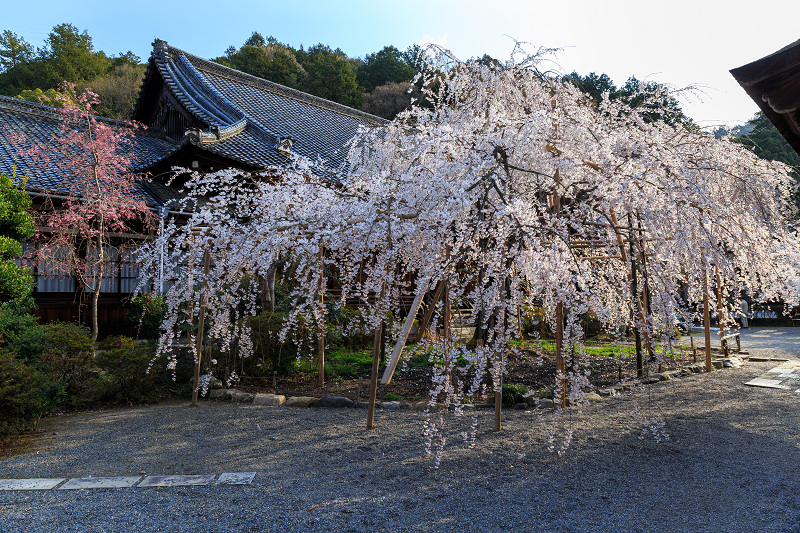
731 463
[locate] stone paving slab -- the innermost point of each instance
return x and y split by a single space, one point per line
176 481
30 484
785 376
236 478
768 383
121 482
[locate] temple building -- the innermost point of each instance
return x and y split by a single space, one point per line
200 116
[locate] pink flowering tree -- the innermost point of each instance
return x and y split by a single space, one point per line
96 200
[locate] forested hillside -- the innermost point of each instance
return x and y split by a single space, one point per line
379 83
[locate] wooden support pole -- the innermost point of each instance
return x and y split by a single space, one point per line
561 367
321 325
383 343
200 327
447 314
426 319
720 315
498 403
373 376
401 342
561 399
706 319
646 311
637 304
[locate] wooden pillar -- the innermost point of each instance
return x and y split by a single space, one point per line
200 327
321 325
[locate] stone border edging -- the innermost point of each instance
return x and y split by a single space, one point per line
120 482
277 400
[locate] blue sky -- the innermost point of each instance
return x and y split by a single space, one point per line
685 42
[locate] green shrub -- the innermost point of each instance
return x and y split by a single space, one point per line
534 321
348 328
420 360
69 359
346 331
20 333
513 394
147 311
548 392
268 351
25 395
125 364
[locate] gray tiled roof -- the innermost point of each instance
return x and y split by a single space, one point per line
247 116
32 123
244 119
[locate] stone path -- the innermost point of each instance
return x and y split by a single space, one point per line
227 478
774 343
786 376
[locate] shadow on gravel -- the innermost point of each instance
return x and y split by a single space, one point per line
731 463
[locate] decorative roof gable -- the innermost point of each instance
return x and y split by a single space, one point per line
241 117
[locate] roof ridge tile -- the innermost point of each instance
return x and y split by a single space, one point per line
255 81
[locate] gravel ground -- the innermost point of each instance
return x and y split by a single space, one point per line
731 463
761 341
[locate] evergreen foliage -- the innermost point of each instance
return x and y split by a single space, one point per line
16 225
68 55
385 66
766 141
656 102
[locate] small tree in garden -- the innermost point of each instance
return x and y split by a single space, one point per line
512 188
16 224
99 189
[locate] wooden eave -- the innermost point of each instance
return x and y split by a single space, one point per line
773 82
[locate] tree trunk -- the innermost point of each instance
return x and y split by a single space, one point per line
266 286
93 309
